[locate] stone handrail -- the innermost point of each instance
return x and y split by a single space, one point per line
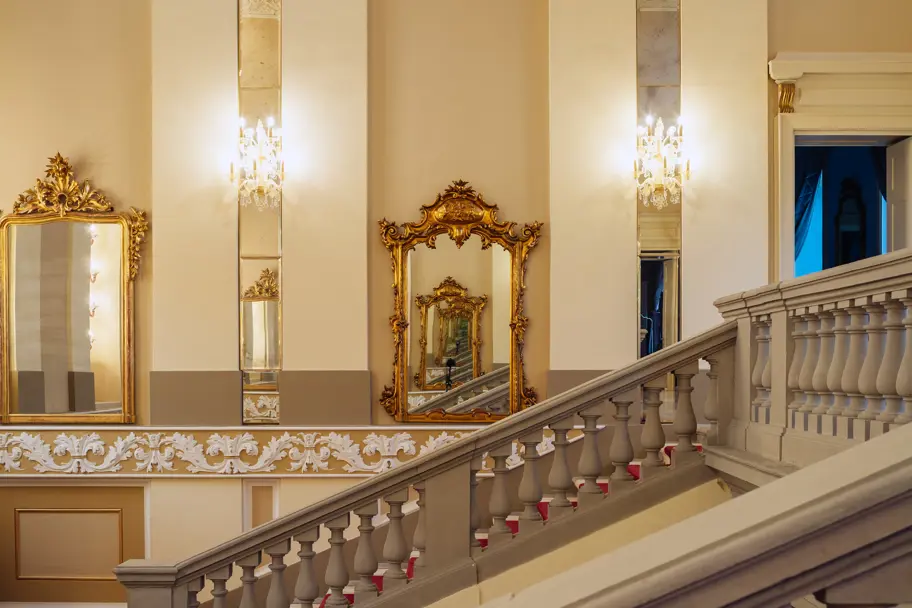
876 275
446 400
445 481
830 359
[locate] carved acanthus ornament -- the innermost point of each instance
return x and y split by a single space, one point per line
265 288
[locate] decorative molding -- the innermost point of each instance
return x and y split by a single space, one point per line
152 453
263 9
786 97
264 410
265 288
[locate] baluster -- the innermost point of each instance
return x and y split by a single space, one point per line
711 405
904 378
193 588
812 352
653 436
307 589
219 580
278 595
336 572
559 478
685 422
499 505
365 558
837 366
419 539
762 339
621 452
867 380
766 378
248 565
475 514
854 362
889 367
530 490
794 374
826 335
395 549
590 462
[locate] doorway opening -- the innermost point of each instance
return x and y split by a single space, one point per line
844 209
659 304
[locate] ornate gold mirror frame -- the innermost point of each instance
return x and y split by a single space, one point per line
60 197
458 212
459 304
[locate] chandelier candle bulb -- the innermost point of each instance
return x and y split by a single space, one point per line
658 181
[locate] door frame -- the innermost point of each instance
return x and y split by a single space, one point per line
831 94
790 125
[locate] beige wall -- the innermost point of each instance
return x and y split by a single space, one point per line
98 115
326 233
593 211
194 231
724 107
458 89
845 26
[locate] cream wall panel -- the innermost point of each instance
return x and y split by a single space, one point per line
324 211
194 229
724 106
593 209
187 518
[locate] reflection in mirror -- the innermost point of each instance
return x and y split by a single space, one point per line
260 340
454 341
65 335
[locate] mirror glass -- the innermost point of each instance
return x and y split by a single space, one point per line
65 318
260 338
463 344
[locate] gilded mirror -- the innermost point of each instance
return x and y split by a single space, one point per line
458 318
449 327
68 262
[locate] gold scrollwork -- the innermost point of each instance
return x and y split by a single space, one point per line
786 97
459 304
265 288
460 212
60 197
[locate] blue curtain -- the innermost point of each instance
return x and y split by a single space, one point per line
809 163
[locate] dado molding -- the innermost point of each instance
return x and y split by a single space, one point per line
194 452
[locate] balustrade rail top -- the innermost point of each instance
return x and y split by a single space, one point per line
874 275
459 452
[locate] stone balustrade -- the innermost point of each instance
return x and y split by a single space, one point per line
451 531
830 359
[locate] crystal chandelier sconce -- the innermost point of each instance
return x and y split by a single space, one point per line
660 166
261 169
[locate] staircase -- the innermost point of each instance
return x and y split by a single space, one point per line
801 376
